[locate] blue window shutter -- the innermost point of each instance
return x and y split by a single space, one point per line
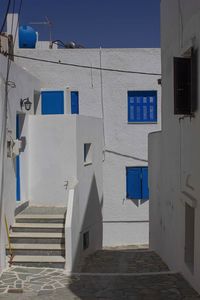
52 102
74 103
142 106
145 188
134 188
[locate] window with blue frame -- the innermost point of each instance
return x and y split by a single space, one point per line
75 102
52 102
137 183
142 106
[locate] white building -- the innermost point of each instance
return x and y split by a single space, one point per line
174 152
108 94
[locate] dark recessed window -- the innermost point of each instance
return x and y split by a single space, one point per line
86 240
87 155
185 84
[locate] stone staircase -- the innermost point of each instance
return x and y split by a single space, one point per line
37 237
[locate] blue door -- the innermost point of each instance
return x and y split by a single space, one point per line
75 102
52 102
17 160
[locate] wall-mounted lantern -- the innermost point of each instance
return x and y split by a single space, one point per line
26 103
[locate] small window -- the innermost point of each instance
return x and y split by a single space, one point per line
185 84
142 106
74 102
86 240
87 153
137 183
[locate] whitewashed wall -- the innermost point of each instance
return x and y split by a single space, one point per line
90 180
25 86
52 158
125 222
174 153
56 155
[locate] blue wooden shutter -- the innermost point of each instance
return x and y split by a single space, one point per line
74 103
52 102
142 106
134 188
145 188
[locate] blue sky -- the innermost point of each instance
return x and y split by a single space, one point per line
95 23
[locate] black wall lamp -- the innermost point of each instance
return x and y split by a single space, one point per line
26 103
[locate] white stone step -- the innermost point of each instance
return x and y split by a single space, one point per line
39 261
37 234
40 218
38 227
37 249
37 246
37 237
33 258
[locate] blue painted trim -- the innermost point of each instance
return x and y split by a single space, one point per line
17 163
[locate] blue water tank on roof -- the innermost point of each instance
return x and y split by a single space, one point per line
27 37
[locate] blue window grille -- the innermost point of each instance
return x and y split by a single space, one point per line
74 102
142 106
137 183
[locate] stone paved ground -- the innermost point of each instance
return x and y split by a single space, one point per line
123 261
107 275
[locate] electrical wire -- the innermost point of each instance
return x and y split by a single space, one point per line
5 110
102 98
3 137
85 66
181 22
5 17
13 11
125 155
15 36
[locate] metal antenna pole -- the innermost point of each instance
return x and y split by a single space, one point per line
49 24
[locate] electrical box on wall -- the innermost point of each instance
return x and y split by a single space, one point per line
13 148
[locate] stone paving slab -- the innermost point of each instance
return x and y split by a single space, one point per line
123 261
